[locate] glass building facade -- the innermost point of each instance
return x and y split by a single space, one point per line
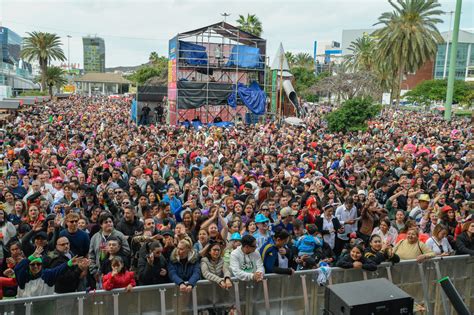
94 54
464 62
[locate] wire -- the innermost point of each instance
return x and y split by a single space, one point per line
82 33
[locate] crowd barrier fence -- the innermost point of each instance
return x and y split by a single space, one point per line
277 294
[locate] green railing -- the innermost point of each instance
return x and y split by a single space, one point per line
297 294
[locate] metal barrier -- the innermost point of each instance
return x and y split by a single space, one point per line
297 294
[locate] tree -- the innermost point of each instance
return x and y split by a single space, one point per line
44 47
153 58
290 57
346 85
352 115
430 91
362 55
304 60
409 36
250 24
55 78
158 70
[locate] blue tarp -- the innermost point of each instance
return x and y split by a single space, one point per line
244 57
197 124
133 111
192 54
252 96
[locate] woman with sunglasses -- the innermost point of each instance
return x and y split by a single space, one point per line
213 267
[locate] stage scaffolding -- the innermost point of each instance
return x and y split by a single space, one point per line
196 89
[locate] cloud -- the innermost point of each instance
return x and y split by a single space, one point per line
132 29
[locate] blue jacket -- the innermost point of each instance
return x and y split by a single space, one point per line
269 253
307 244
189 272
175 205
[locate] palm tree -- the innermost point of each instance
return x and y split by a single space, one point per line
55 78
304 60
290 57
250 24
409 36
44 47
362 55
153 58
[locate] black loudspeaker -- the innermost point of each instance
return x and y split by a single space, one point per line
368 297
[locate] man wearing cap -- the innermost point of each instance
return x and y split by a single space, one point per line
248 188
33 280
419 211
287 215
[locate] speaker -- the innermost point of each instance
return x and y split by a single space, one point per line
368 297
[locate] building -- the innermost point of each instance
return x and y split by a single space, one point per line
94 54
464 58
15 74
101 84
349 36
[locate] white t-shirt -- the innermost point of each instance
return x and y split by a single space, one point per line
436 247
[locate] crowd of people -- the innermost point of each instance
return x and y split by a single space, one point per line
89 200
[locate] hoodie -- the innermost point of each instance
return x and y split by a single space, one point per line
243 266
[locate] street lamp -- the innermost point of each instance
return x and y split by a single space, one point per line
225 15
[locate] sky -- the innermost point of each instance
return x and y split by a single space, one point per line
134 28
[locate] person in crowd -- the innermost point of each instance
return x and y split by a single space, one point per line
152 265
129 225
346 214
438 241
465 240
276 256
183 267
357 260
33 280
78 239
379 251
70 279
387 233
234 242
119 277
213 267
98 244
413 248
329 225
245 263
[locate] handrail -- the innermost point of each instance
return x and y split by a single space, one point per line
200 282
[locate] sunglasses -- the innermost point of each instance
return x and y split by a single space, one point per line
118 192
125 203
73 221
36 264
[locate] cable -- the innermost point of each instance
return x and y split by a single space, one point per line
82 33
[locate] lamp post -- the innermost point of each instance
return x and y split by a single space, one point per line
452 62
225 15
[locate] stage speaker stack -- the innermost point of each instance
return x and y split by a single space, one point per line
368 297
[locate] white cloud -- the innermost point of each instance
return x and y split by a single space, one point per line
132 29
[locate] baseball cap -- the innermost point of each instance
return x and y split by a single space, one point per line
41 234
260 218
424 197
236 237
287 211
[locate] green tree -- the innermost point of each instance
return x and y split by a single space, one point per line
430 91
55 78
304 60
408 37
44 47
157 70
153 58
290 57
250 24
362 57
352 115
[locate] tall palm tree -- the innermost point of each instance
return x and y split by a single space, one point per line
44 47
250 24
290 57
153 58
362 55
304 60
409 36
55 78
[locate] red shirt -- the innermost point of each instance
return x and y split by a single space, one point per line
121 280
